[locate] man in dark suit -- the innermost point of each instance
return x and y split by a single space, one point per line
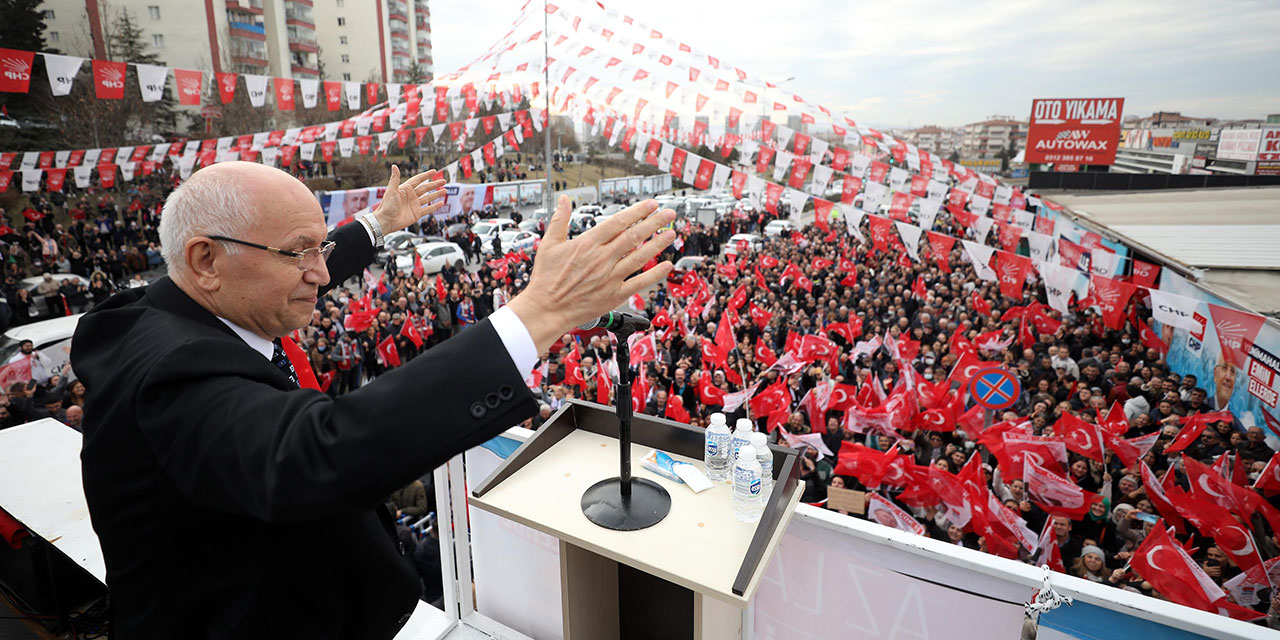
232 504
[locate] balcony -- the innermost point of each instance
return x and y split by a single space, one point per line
305 3
400 52
254 7
248 31
251 60
300 16
402 34
304 45
304 71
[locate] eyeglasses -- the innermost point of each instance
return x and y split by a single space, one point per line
306 260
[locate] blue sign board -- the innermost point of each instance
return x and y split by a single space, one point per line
994 388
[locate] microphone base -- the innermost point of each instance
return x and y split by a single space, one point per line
604 505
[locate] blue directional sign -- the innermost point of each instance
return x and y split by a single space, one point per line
994 388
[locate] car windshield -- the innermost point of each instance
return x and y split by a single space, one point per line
507 236
8 347
484 228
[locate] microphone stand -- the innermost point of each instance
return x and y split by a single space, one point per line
625 503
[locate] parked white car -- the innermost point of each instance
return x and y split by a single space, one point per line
513 240
486 229
731 247
50 338
776 227
435 255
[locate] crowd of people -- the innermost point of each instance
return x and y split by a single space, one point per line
855 319
819 339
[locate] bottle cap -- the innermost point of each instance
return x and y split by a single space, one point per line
747 452
746 425
760 441
718 418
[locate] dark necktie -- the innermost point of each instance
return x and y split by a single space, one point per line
281 360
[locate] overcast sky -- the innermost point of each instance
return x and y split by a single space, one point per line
892 63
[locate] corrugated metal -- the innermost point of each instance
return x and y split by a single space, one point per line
1241 246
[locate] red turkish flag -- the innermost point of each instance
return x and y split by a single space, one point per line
709 394
1268 481
1050 453
1236 332
410 330
15 70
1159 493
675 407
108 79
1161 561
724 336
713 354
1012 270
387 353
1131 450
764 354
604 385
864 463
1193 425
1080 436
1150 339
1112 296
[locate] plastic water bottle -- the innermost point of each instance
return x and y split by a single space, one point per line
746 485
764 456
716 450
741 436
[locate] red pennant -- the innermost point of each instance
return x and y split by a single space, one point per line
15 70
108 79
1236 332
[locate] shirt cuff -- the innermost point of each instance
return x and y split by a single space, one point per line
367 229
515 337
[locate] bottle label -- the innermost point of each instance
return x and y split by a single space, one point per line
755 487
712 449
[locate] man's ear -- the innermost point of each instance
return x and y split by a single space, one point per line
202 266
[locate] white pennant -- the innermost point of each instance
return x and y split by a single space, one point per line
307 151
345 146
126 171
82 174
691 163
310 92
797 199
1040 245
91 157
928 212
60 159
720 177
269 156
185 165
62 72
1174 310
29 160
151 80
858 165
979 205
980 256
853 220
1059 282
352 89
982 227
911 238
31 179
872 194
1104 263
257 88
384 139
898 178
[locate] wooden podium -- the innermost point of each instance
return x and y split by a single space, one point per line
688 577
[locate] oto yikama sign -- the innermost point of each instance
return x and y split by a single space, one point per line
1076 131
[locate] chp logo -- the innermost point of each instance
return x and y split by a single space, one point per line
111 78
1230 333
17 69
286 92
189 86
228 82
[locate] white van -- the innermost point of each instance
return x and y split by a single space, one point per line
52 338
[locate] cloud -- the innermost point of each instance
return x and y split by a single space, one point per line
949 63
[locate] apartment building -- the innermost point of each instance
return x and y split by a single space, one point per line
359 40
940 140
986 139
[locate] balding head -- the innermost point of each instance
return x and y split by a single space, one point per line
258 290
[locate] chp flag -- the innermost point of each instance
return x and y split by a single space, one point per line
1074 130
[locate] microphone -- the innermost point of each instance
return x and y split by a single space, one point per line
617 322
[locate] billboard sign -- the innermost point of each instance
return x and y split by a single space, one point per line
1239 144
1269 148
1074 130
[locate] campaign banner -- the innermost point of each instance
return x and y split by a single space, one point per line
1269 146
1245 382
1239 144
340 206
1076 130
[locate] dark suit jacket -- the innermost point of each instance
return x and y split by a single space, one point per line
229 503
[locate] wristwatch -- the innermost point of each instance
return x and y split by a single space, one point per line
375 228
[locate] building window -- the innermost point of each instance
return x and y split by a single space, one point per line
346 77
48 14
346 59
342 22
53 36
154 10
157 40
342 40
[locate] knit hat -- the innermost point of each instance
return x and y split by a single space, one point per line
1090 549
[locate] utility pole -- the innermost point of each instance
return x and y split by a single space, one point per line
548 198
